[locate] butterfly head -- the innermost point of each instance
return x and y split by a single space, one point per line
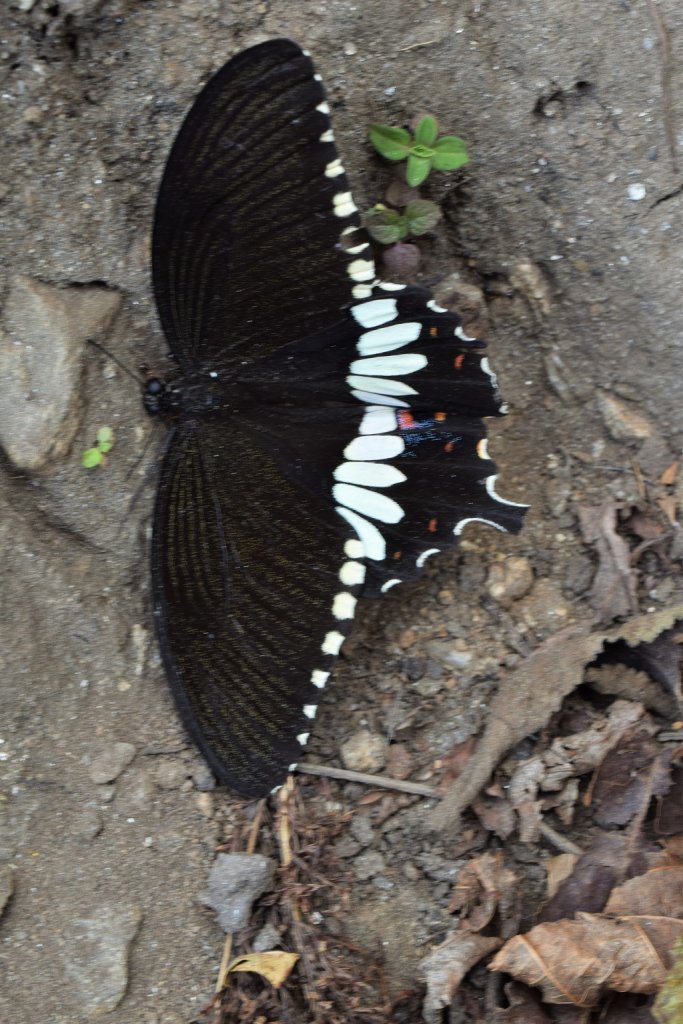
160 398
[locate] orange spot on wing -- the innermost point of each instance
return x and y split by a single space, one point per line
459 360
434 332
433 524
396 555
448 447
440 416
405 420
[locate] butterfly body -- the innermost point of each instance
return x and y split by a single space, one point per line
327 434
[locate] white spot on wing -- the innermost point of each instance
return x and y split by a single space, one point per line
491 488
373 543
361 291
486 367
421 559
353 548
435 307
372 314
334 169
319 678
343 203
459 527
369 474
374 399
361 270
332 642
310 710
352 574
386 339
374 446
368 503
388 286
355 249
390 366
377 420
303 738
388 585
459 333
323 108
343 606
483 449
379 386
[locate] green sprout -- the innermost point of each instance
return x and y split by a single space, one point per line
388 226
92 457
423 151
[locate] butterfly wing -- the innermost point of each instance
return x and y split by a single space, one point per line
246 249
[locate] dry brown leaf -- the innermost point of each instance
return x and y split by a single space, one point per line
496 815
482 884
445 967
657 892
523 1007
669 476
579 961
628 778
613 594
275 965
558 869
527 698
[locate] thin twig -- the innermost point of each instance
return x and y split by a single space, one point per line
558 840
382 781
665 43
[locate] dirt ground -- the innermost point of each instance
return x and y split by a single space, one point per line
566 233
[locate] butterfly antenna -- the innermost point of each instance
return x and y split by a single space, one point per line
115 359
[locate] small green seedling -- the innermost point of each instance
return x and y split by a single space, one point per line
388 226
423 151
92 457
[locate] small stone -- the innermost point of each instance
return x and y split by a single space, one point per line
235 881
399 761
410 871
203 778
637 191
368 864
205 804
623 424
509 580
135 794
267 938
108 765
544 609
96 951
32 115
361 830
346 847
401 259
170 773
365 751
87 825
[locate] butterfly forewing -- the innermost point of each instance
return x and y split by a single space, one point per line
327 433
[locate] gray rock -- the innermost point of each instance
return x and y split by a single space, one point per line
368 864
96 957
108 765
361 830
235 881
365 751
41 351
268 938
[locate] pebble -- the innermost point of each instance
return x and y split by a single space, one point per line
109 764
544 609
622 422
170 773
346 847
267 938
96 951
637 191
368 864
87 825
134 794
400 761
361 830
509 580
364 751
203 778
235 881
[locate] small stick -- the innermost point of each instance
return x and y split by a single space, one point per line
558 840
382 781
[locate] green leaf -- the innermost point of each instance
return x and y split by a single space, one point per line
421 216
384 225
391 143
105 446
417 170
449 153
105 435
427 130
91 457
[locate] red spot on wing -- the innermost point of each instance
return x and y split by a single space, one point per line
405 420
459 360
448 447
433 524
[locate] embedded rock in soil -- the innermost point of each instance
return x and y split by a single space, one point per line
235 881
364 751
96 952
108 765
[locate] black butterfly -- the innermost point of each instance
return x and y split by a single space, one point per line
327 433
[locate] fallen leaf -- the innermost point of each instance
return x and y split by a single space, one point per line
658 892
275 965
558 869
668 1008
523 1007
668 477
496 815
480 887
625 782
445 967
580 961
670 818
613 594
527 698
